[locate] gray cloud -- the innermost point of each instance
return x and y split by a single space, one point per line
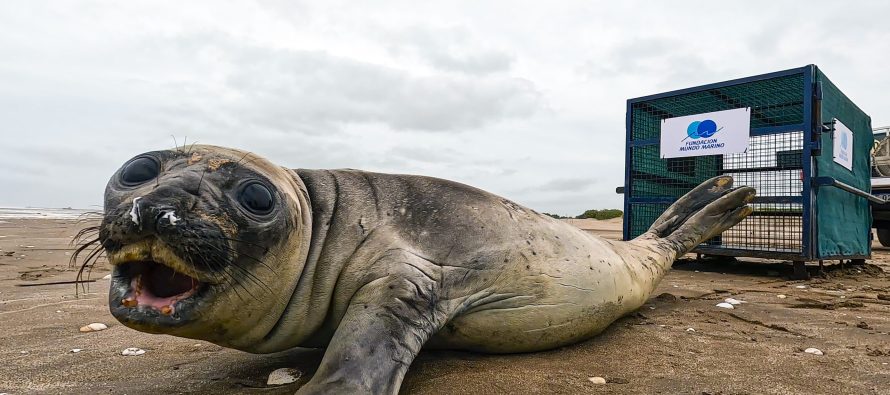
568 184
316 92
449 49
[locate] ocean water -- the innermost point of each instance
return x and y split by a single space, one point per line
42 212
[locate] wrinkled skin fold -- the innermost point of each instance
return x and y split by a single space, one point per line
221 245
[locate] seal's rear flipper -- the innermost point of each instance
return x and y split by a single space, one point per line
704 212
689 204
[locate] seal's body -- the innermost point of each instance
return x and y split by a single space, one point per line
371 266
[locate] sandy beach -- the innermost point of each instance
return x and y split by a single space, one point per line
678 343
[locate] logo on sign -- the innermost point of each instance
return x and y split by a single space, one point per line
701 129
701 133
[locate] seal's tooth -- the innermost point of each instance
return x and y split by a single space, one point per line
167 310
129 302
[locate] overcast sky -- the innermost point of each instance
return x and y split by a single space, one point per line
522 98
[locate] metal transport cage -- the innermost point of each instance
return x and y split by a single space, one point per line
809 206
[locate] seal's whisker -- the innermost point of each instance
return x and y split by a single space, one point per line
256 246
254 160
201 180
265 249
234 283
251 257
83 234
240 253
228 265
81 247
96 252
242 157
243 270
216 263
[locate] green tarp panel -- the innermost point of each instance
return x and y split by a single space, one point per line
843 220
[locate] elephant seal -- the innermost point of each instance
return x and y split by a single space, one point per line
218 244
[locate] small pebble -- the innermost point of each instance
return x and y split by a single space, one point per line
23 352
597 380
58 311
76 350
94 327
801 287
690 330
814 351
780 296
733 301
725 305
133 351
283 376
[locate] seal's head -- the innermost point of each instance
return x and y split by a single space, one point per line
206 243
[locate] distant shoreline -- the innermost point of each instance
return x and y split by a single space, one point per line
44 212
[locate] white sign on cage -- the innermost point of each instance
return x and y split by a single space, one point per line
843 145
712 133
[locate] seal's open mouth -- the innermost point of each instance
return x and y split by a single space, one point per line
150 281
156 285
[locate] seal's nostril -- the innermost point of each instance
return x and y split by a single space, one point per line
169 215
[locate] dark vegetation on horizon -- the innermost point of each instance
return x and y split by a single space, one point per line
595 214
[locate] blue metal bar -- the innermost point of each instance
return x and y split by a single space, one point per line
757 199
754 132
808 247
722 84
778 129
653 199
628 191
640 143
778 199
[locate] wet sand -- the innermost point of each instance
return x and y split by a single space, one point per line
756 348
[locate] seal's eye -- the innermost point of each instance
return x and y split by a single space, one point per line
256 198
140 170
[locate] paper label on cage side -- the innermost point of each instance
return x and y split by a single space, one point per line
713 133
843 145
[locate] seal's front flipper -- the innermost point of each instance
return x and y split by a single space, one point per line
385 325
